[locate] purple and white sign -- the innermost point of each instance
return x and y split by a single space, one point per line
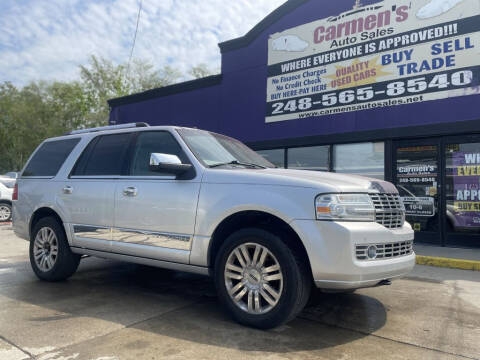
466 189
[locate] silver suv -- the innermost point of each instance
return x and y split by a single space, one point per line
196 201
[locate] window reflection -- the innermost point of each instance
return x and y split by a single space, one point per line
366 159
275 156
309 158
417 182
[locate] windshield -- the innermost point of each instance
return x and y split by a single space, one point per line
12 175
215 150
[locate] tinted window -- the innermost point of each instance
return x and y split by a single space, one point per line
153 142
105 155
309 158
50 157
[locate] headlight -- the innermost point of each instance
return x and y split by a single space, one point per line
346 207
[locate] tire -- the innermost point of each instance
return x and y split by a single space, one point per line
47 266
5 212
291 283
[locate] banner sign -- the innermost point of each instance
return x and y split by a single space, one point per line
466 186
391 53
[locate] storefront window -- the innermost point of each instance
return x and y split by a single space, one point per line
309 158
366 159
275 156
463 187
417 183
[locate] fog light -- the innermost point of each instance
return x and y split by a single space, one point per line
372 252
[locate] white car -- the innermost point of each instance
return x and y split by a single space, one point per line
11 175
6 191
192 200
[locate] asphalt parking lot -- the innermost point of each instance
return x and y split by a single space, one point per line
110 310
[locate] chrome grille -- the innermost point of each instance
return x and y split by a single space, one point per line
385 250
389 210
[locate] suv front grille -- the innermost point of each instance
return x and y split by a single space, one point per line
389 210
385 250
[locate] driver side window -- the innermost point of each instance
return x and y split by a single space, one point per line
149 142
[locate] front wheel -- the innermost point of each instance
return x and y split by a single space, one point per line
50 255
260 281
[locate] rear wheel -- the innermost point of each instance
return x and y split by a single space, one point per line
260 281
5 212
50 255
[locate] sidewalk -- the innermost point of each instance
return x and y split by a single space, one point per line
457 258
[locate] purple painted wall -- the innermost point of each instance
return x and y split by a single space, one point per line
236 106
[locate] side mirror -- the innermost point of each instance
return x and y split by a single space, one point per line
168 163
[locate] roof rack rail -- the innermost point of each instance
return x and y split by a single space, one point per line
110 127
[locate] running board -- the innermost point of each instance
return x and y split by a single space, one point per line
141 260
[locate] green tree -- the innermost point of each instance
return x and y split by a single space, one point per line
37 111
104 80
200 71
41 109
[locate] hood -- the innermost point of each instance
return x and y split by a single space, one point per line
323 181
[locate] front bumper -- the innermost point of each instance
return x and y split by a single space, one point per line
331 250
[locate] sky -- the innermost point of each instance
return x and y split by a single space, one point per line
49 39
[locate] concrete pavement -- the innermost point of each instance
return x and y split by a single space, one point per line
111 310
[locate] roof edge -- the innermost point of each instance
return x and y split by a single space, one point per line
270 19
166 90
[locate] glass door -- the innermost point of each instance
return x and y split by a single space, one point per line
462 190
416 173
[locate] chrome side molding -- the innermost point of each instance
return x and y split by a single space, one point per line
133 236
150 238
92 232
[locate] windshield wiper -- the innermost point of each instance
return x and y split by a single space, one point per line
235 162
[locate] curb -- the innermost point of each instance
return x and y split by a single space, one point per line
448 262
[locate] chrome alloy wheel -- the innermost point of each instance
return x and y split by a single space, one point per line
253 278
45 249
5 213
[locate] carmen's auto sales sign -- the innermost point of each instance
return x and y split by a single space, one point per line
390 53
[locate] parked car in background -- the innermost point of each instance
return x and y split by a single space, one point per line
11 174
192 200
6 190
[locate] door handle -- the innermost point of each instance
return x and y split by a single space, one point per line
67 189
130 191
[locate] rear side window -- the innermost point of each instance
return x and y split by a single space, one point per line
50 157
105 155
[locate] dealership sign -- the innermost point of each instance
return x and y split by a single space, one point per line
385 54
419 206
